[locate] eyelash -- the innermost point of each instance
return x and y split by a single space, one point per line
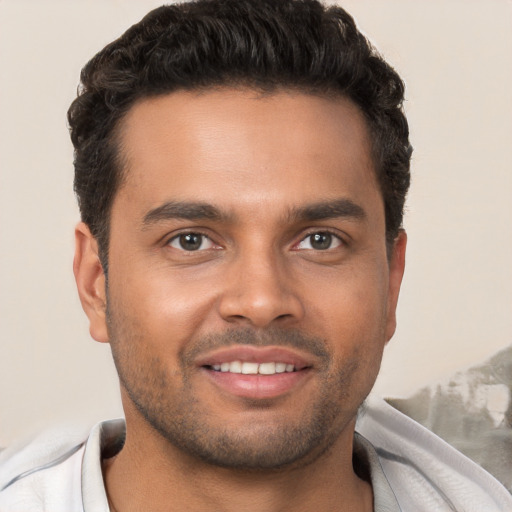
329 232
205 237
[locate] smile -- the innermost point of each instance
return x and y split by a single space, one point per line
257 372
251 368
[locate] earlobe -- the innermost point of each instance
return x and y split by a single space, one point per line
90 282
396 272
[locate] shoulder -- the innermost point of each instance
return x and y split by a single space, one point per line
425 472
43 474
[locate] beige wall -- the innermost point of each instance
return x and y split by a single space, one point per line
456 305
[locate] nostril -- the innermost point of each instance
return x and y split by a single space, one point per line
236 318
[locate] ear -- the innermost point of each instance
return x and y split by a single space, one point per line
90 281
396 273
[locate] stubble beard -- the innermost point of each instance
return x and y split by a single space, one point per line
180 418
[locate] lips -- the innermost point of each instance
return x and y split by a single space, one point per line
256 372
251 354
251 368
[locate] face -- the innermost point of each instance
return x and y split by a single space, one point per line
250 293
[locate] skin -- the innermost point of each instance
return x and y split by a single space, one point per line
257 279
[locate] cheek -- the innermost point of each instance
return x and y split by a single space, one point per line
353 301
351 315
165 308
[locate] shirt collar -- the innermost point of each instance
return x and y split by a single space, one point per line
367 462
107 439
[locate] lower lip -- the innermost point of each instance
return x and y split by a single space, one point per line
258 386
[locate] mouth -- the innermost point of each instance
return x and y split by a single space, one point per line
250 368
256 373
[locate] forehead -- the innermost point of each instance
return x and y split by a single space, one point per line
238 148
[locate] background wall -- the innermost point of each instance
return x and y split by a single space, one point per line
456 303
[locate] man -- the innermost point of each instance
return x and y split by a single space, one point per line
241 169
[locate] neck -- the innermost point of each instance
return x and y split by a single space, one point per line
150 473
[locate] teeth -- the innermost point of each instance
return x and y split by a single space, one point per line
248 368
280 367
267 368
235 367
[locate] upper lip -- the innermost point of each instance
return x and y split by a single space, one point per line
247 353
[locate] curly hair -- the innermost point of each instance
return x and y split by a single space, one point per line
261 44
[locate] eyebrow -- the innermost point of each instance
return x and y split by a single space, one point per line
183 210
338 208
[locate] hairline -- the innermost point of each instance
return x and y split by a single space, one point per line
263 90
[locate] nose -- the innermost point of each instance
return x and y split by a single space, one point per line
261 292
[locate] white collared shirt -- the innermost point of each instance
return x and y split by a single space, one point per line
411 469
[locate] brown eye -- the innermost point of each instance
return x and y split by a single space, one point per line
320 241
191 242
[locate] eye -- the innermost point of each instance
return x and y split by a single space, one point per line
191 242
320 241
